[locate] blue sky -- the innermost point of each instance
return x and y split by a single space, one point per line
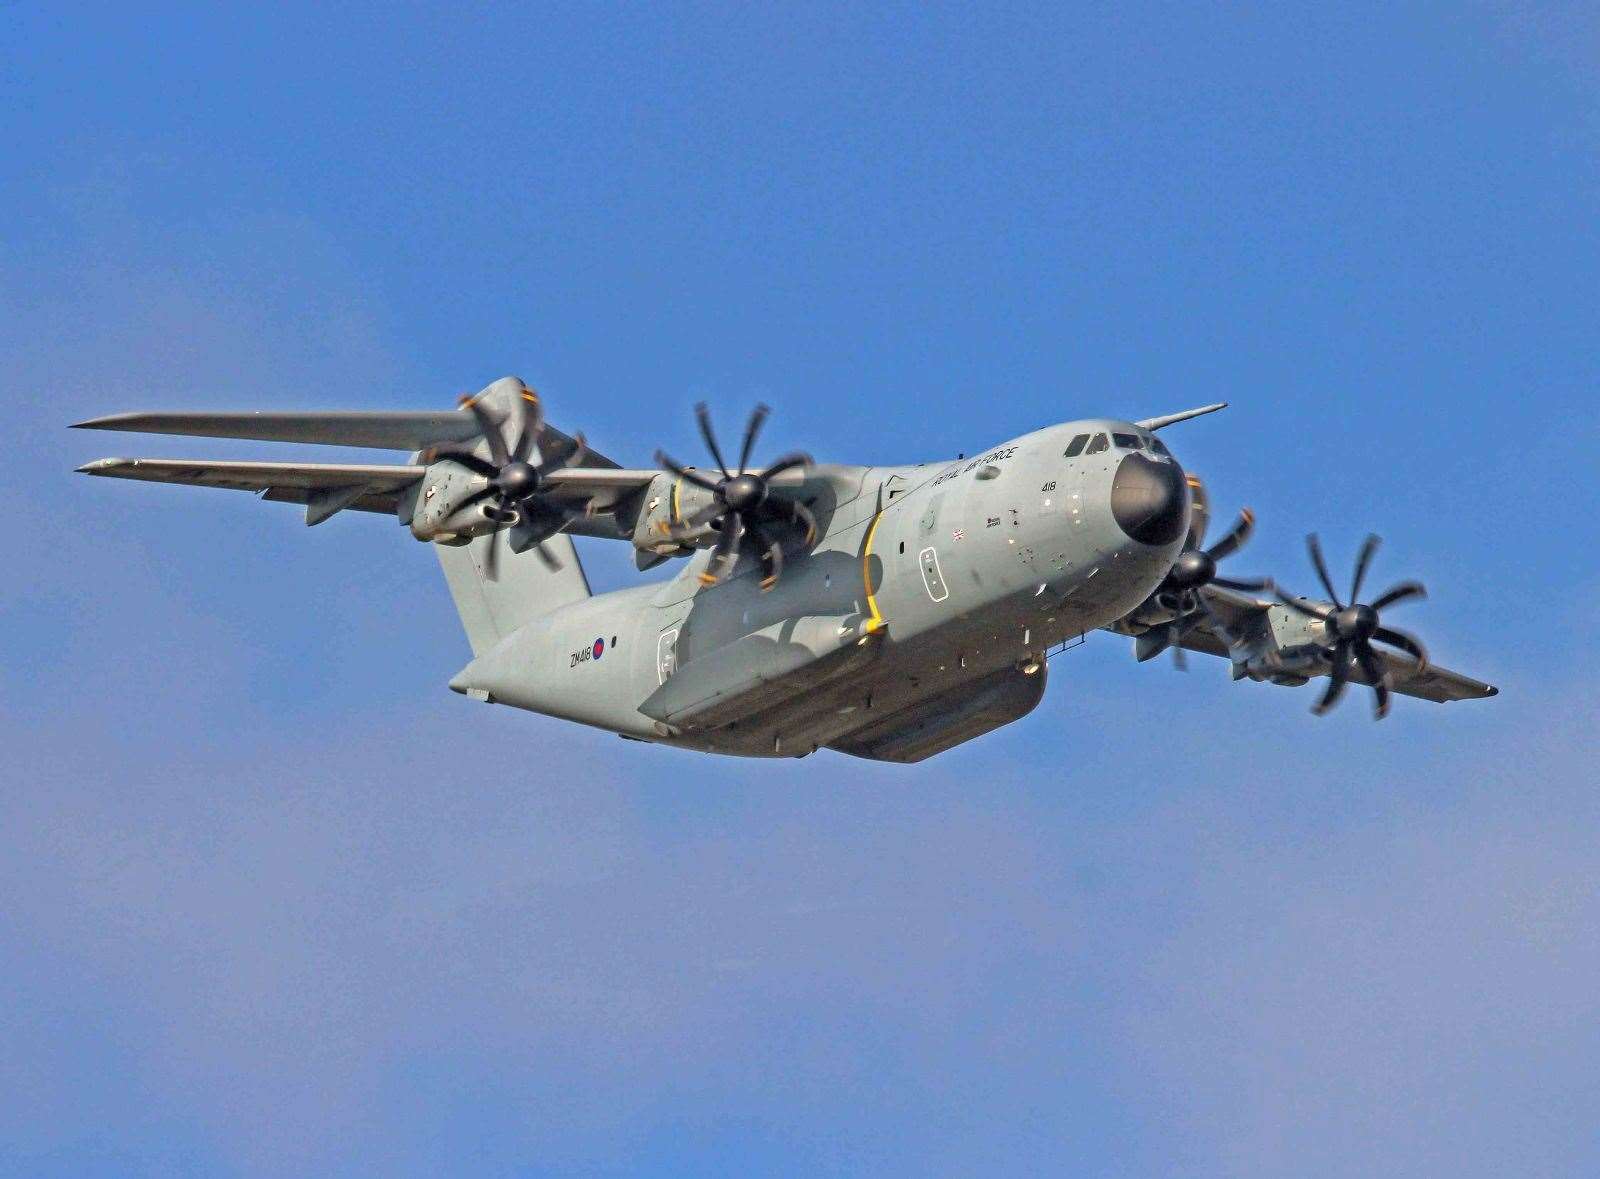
279 903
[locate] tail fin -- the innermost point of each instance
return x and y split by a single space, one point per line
523 587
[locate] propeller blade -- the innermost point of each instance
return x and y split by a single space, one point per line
795 458
666 463
702 415
1406 642
752 428
726 553
471 462
1309 609
1372 667
1180 627
1363 561
686 528
567 453
579 451
1217 625
1248 585
1314 547
803 514
1397 594
794 512
1235 538
481 494
1336 680
1199 511
551 561
531 411
489 430
771 556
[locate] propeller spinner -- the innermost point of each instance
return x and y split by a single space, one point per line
742 509
1353 628
1195 569
515 474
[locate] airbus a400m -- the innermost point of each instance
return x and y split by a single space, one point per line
885 612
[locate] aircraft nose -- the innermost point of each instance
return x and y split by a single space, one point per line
1148 500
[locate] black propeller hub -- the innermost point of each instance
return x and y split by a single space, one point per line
1356 623
741 512
744 493
517 480
1193 568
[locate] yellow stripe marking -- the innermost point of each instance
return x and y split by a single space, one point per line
874 617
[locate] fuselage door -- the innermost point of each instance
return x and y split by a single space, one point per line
666 654
932 577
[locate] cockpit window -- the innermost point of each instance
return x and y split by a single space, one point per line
1159 447
1128 441
1075 447
1100 443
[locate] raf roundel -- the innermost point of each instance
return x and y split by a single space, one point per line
599 648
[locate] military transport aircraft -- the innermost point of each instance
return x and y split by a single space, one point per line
885 612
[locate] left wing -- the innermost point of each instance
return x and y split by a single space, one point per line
1266 640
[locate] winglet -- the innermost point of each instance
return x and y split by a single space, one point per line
1185 415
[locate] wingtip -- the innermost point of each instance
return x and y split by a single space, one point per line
114 421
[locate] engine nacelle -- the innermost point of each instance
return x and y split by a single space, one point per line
436 507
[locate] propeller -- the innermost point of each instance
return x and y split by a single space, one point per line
1195 569
515 472
1354 627
742 509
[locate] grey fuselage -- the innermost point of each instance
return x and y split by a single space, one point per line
921 616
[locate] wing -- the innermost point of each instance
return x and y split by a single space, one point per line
386 431
382 430
325 488
1262 637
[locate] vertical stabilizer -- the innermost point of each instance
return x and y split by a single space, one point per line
523 585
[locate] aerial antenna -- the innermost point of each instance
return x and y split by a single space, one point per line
1183 416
